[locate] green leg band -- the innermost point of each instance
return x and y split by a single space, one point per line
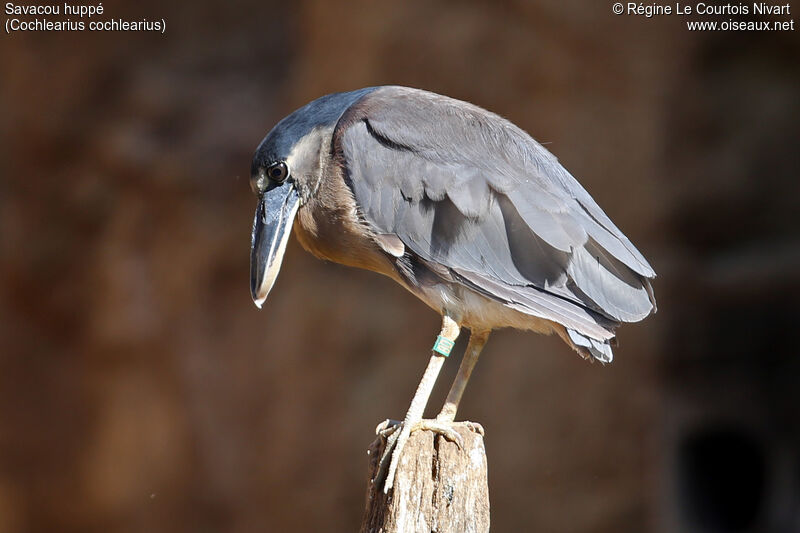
443 346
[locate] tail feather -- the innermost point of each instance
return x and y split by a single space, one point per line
600 350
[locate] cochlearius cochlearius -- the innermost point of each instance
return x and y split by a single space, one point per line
459 206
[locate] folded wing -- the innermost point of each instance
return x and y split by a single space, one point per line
466 189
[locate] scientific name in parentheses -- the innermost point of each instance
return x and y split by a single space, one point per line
81 11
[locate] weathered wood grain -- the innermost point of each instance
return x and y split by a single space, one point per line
438 487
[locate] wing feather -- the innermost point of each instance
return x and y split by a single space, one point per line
466 189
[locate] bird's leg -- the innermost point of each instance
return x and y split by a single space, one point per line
477 339
397 440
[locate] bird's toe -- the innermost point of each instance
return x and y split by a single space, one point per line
474 427
444 429
387 427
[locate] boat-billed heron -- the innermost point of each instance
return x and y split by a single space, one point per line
459 206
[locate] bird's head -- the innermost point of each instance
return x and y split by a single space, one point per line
285 174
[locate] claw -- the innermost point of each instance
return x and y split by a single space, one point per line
387 427
475 428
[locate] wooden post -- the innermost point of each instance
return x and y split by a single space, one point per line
438 487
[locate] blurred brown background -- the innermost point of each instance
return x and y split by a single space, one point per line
141 390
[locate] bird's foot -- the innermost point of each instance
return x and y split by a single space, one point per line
387 428
396 434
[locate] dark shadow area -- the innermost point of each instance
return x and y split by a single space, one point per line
722 475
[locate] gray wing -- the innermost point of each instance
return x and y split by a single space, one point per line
467 189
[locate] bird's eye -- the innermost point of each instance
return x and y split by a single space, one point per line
278 172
